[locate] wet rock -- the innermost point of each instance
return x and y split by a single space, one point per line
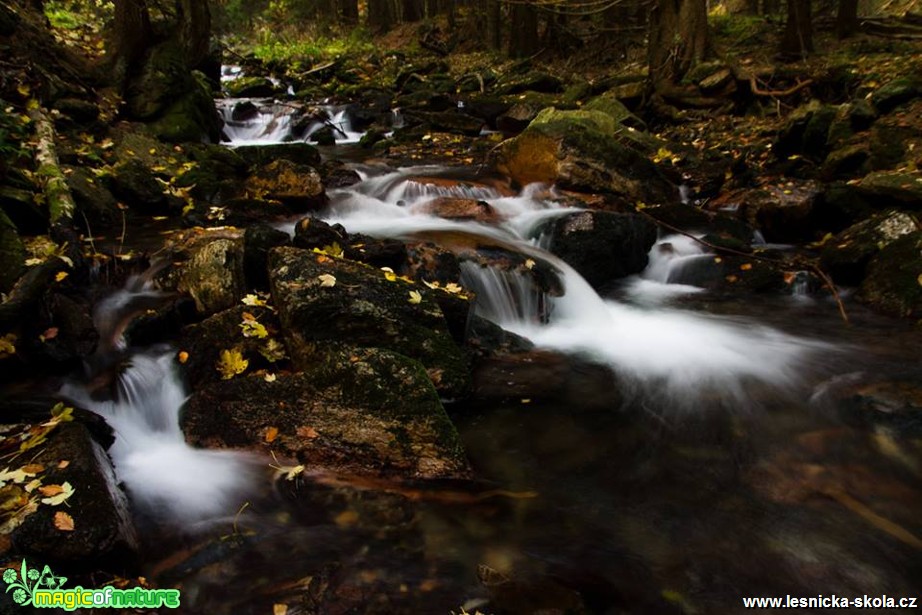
842 206
377 252
324 136
851 118
806 131
894 278
296 185
358 305
871 401
12 254
846 162
335 175
486 107
583 150
452 208
361 411
486 338
432 263
896 139
216 175
846 256
261 155
372 137
81 111
134 184
603 246
899 188
205 341
92 198
313 233
258 239
103 532
533 81
213 275
162 79
784 212
448 121
614 108
191 117
244 110
517 118
897 92
250 87
242 212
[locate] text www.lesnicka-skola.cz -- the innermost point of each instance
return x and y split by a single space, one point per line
831 602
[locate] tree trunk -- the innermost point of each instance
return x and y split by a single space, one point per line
494 30
523 38
679 40
847 19
131 35
412 10
349 12
194 30
797 41
380 15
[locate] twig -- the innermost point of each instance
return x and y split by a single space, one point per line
827 281
791 90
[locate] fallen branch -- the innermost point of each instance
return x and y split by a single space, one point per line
813 267
777 93
57 193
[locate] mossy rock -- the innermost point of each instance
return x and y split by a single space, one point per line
583 151
92 198
214 276
250 87
613 107
164 78
893 283
896 139
359 411
298 186
897 92
360 307
846 256
12 254
299 153
532 81
899 189
191 118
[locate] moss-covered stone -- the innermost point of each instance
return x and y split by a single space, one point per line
893 188
584 150
893 283
249 87
163 78
192 117
213 276
847 255
299 153
608 104
897 92
361 411
896 139
357 305
296 185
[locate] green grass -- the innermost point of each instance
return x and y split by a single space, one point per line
275 48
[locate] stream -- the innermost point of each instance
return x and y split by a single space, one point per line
702 449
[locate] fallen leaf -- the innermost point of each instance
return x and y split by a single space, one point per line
279 609
49 334
270 377
63 521
253 300
327 280
56 499
745 266
346 518
415 297
252 327
271 434
60 276
33 468
183 356
307 432
389 274
530 263
231 363
453 288
50 490
17 476
63 464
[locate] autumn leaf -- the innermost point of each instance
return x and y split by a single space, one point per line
63 521
56 497
253 300
231 363
63 464
252 327
18 476
327 280
7 345
182 357
60 276
432 285
530 264
279 609
272 350
745 266
271 434
415 297
389 274
270 377
334 250
307 432
453 288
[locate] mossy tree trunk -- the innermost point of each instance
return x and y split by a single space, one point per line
679 39
797 41
131 36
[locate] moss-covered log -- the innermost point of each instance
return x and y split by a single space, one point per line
57 193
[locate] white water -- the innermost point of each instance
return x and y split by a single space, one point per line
165 477
678 354
274 122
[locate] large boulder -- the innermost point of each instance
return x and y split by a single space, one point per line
783 212
102 531
603 246
324 302
894 278
214 275
191 117
298 153
897 188
847 255
296 185
250 87
583 151
897 92
360 411
896 139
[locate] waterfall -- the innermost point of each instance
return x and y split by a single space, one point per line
679 355
164 476
267 122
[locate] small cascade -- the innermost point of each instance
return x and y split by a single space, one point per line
165 477
678 356
268 122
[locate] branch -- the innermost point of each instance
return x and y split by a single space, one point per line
791 90
57 193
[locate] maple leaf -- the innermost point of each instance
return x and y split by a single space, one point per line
231 363
18 476
63 521
272 350
253 300
453 288
530 264
415 297
327 280
270 377
271 434
252 327
49 334
389 274
307 432
7 345
57 494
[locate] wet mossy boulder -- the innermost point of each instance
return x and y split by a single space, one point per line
213 276
896 139
893 283
324 302
250 87
897 92
298 153
611 106
783 212
448 121
92 198
583 151
135 185
897 189
846 256
163 78
603 246
806 131
103 532
360 411
12 254
192 117
298 186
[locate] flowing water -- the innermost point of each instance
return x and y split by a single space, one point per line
702 449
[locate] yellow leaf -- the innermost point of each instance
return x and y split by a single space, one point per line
530 264
252 327
415 297
431 284
389 274
307 432
279 609
270 377
271 434
152 151
252 300
745 266
23 89
56 497
453 288
63 521
272 350
327 280
231 363
334 250
61 275
17 476
7 345
183 356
